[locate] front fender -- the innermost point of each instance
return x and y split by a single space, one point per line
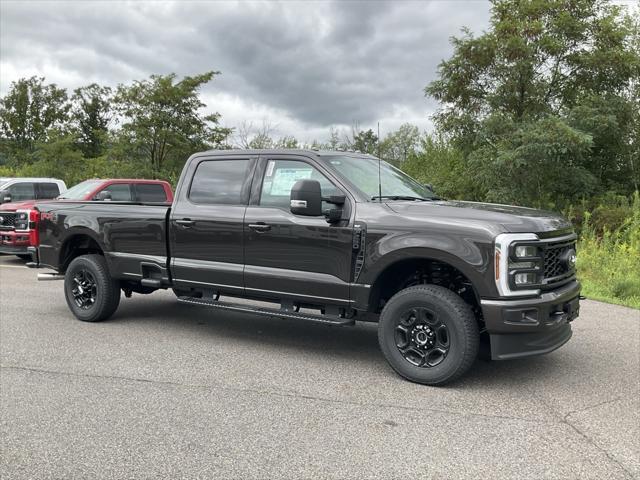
470 256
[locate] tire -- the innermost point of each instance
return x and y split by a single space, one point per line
97 285
26 257
428 334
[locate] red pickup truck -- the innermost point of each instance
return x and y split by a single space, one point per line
16 234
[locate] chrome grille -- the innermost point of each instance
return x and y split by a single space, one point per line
7 220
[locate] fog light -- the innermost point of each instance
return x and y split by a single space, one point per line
525 278
523 251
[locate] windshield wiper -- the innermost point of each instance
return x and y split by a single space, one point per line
401 197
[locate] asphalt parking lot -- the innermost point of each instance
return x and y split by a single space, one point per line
170 391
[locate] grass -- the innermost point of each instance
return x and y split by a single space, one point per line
609 263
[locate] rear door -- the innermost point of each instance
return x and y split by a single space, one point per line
297 256
207 223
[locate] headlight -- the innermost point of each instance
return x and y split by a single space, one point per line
525 251
22 220
518 264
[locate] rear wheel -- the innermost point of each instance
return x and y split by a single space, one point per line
91 294
428 334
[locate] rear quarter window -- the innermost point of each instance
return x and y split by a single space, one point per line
220 182
150 192
48 190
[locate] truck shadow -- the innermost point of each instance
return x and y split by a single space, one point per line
350 344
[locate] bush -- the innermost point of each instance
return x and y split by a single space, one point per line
609 260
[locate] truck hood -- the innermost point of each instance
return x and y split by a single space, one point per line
12 207
510 218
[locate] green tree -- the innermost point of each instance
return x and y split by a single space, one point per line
533 93
365 142
28 113
91 113
439 163
162 123
288 141
399 145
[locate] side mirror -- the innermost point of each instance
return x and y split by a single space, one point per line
428 186
306 198
103 196
5 196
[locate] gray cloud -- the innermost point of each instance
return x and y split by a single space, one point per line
313 64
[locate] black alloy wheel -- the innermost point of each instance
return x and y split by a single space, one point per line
422 337
84 290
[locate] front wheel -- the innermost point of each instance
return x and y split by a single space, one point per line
91 294
428 334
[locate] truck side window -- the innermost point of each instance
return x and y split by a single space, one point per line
280 177
120 192
48 190
22 191
150 192
219 182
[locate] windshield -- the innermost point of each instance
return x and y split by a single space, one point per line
81 190
363 173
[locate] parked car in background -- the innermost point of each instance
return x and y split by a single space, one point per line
21 189
14 192
15 232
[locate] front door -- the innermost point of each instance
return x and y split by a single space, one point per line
289 255
207 224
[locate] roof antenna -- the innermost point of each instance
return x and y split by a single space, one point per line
379 167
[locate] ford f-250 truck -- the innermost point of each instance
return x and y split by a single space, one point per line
330 237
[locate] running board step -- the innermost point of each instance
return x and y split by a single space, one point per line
236 307
151 282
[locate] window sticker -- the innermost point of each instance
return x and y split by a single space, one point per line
285 178
270 166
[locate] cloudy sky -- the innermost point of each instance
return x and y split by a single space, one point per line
303 66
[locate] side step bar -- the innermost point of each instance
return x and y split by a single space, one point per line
236 307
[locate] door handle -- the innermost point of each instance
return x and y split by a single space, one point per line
259 227
185 222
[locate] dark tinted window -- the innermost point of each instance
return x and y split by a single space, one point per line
48 190
219 182
22 191
150 192
280 177
120 192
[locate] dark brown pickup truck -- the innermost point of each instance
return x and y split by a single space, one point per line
330 237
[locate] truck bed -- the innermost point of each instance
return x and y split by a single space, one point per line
133 236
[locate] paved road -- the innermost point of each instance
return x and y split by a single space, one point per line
170 391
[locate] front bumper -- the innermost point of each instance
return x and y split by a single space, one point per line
14 243
533 326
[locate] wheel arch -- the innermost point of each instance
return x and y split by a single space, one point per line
79 241
405 269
